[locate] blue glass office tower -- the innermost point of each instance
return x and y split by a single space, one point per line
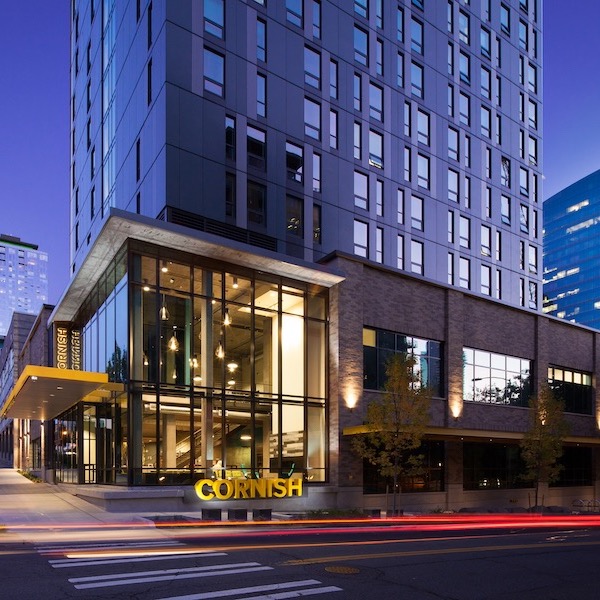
572 252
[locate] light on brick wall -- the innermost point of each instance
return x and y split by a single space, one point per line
456 407
351 396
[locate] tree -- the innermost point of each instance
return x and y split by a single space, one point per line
542 444
395 423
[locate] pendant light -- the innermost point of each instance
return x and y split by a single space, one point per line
164 311
220 352
226 318
174 342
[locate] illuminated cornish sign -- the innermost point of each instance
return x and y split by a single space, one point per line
242 489
67 345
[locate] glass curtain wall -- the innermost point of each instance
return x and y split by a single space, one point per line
228 374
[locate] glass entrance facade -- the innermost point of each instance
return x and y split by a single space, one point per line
225 371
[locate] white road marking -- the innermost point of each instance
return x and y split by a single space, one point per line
64 563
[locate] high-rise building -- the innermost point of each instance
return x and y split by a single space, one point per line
270 198
572 252
23 279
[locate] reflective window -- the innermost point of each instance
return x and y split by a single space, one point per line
361 190
361 239
214 72
361 45
573 388
495 378
294 12
416 257
312 119
312 67
294 159
375 102
375 149
416 80
214 17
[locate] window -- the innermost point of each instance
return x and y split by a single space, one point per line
214 18
533 261
498 52
361 239
532 113
486 125
312 67
400 252
534 223
524 181
379 57
230 138
294 216
92 202
488 202
257 204
505 209
505 171
450 59
316 173
524 218
333 79
521 292
357 87
423 127
375 149
294 160
498 245
294 12
257 148
450 268
379 198
261 40
532 294
488 162
407 119
464 66
375 102
467 192
450 17
88 55
361 190
452 185
453 144
423 171
416 257
495 378
465 232
416 36
532 78
379 13
407 166
312 119
463 28
486 43
261 95
498 284
400 25
450 101
400 70
400 207
138 160
316 224
379 244
465 109
416 213
464 273
533 153
416 80
380 344
486 280
361 45
467 151
214 72
333 129
451 227
498 130
523 35
504 19
230 195
574 388
486 241
316 19
361 7
357 141
486 83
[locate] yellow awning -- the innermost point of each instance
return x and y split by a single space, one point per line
42 393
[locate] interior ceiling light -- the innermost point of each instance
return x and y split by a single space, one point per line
146 286
226 318
235 283
164 267
232 366
174 342
164 311
194 362
220 352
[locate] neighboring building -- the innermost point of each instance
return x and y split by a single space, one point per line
572 252
23 279
268 198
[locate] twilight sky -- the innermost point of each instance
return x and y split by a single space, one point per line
34 116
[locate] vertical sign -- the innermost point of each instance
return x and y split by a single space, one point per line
67 348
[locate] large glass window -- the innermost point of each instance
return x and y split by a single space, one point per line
574 388
380 345
495 378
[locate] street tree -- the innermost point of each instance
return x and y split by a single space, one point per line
395 423
542 444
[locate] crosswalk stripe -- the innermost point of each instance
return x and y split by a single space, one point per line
173 577
297 593
64 563
288 586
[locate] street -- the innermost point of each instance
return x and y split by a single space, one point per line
487 558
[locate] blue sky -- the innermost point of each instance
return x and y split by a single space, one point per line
34 116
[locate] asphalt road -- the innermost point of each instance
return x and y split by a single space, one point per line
450 561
